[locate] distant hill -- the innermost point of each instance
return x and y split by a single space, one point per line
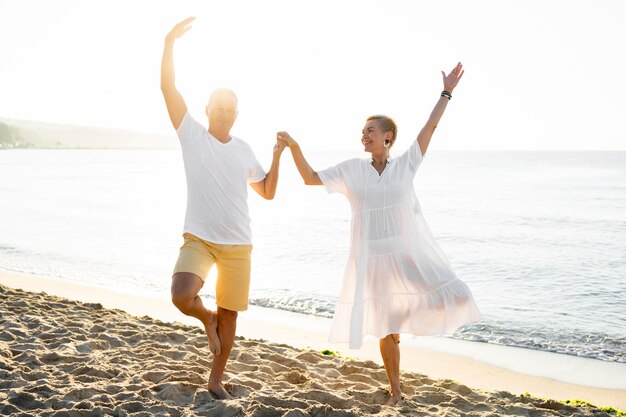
28 134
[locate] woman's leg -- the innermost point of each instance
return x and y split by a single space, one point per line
390 351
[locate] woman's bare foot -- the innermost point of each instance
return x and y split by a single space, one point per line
210 327
219 392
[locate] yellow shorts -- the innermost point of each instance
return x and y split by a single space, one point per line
233 269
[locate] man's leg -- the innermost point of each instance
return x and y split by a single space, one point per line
226 328
390 351
185 289
231 293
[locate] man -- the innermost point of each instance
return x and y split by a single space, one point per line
218 168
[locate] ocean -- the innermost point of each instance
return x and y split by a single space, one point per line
540 237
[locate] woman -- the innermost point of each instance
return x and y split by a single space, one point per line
397 279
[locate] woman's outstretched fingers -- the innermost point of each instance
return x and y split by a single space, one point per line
458 71
452 79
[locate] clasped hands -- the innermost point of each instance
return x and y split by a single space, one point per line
283 139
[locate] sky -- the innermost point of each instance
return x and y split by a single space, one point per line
540 75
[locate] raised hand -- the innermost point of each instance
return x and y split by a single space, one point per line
285 139
451 80
180 29
309 176
279 147
174 101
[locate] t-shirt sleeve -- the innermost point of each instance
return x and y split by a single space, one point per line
335 178
256 172
412 157
189 130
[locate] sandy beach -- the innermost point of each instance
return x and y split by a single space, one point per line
62 357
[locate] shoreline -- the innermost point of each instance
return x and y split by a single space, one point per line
472 363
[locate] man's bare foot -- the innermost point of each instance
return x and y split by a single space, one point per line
219 392
394 399
210 327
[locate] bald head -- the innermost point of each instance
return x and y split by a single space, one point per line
223 95
222 112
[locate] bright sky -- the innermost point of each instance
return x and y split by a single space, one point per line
539 74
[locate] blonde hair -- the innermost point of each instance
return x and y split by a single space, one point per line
386 124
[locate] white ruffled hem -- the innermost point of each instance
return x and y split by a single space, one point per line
441 311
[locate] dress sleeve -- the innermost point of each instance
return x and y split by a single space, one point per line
412 157
189 130
335 178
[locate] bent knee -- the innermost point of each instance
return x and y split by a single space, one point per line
183 301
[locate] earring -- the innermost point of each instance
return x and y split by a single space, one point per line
386 143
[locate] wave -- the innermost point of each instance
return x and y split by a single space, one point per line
575 342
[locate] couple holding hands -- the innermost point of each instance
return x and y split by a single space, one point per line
397 279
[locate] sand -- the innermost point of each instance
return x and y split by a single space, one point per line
66 358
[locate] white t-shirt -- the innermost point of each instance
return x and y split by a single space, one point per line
217 184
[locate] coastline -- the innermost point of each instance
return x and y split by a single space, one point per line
474 364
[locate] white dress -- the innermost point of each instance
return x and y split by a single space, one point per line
397 279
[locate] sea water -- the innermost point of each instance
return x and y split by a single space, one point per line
540 237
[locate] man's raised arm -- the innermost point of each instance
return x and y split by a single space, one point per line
174 101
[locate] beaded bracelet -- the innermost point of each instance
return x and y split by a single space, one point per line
446 94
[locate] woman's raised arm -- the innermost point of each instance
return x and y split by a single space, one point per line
307 173
450 81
